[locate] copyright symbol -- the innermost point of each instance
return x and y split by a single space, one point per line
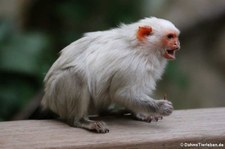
181 144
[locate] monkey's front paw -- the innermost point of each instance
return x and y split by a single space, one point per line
147 117
99 127
165 107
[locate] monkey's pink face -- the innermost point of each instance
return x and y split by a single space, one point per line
171 44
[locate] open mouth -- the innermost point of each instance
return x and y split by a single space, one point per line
169 54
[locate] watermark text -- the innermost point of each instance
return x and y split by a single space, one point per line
206 145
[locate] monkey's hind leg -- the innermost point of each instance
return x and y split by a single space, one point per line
96 126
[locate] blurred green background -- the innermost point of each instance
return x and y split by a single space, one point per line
32 32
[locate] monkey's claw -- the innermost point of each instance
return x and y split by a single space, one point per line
100 127
147 118
158 118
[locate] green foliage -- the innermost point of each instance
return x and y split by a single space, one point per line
22 61
70 19
176 76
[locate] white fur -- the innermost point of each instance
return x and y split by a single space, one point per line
107 67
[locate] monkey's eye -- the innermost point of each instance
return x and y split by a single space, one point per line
170 36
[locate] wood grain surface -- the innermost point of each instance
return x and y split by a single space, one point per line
183 127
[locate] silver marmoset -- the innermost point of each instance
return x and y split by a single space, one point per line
118 66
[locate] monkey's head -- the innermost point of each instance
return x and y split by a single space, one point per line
159 36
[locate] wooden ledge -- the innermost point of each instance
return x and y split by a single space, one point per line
183 126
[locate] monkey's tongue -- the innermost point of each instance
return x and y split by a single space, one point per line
169 54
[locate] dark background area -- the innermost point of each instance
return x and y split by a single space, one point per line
32 32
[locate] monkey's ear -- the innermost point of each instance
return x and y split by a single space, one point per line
143 31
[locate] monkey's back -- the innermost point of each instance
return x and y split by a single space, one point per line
87 64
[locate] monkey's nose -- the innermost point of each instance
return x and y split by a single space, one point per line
177 45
